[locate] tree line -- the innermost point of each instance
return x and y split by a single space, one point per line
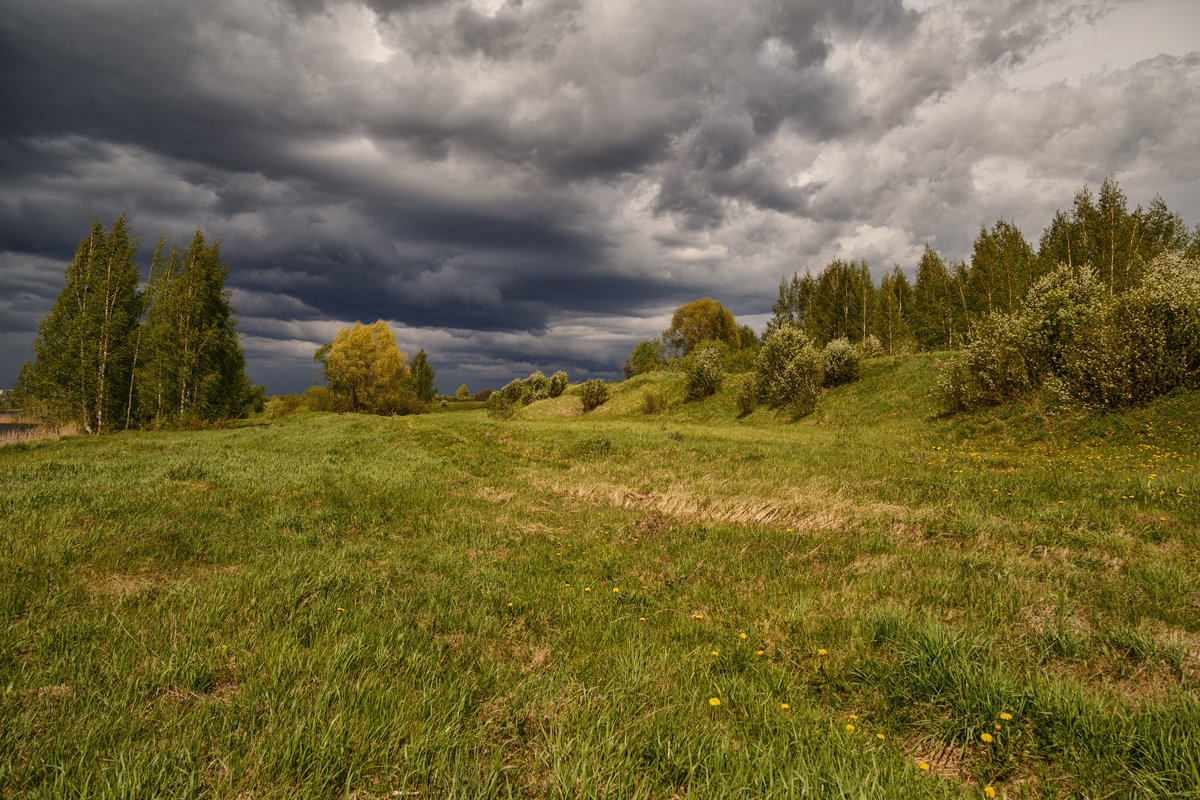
937 309
112 354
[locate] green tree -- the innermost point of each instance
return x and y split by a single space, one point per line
694 322
84 353
932 317
421 374
463 393
366 368
794 306
646 357
193 366
894 304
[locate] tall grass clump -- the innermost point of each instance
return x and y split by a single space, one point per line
593 394
841 362
788 373
705 369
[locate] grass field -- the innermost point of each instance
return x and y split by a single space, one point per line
870 602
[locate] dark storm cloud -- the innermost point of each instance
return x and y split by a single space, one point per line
540 182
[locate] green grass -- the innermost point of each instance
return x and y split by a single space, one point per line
351 606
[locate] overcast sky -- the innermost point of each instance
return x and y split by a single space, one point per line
519 185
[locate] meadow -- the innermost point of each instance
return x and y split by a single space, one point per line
873 601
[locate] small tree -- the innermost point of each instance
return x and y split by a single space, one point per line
593 394
841 363
646 357
558 383
421 376
788 372
512 390
365 367
535 387
463 393
699 320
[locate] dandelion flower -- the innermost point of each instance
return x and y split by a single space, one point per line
989 791
854 716
849 728
998 726
714 652
615 590
341 609
923 765
587 588
510 605
821 651
641 619
758 652
784 706
714 701
742 635
1004 715
698 616
987 737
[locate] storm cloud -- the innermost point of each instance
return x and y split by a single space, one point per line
536 184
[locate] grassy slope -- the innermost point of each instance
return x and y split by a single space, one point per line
334 605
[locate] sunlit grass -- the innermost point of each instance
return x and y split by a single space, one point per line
451 606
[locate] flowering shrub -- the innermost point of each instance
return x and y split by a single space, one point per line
842 363
593 394
788 371
535 387
705 369
992 367
558 383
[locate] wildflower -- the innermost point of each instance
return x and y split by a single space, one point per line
341 609
821 651
697 616
784 706
998 726
849 728
880 736
1004 715
510 605
714 652
989 791
587 588
615 590
714 701
641 619
923 765
987 737
759 652
742 635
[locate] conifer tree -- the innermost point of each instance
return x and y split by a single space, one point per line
932 307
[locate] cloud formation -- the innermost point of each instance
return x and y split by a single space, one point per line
536 184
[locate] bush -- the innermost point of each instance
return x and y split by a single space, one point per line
593 394
1055 308
482 396
1141 344
499 406
513 390
535 387
558 383
870 347
992 368
788 371
654 403
646 357
319 398
705 369
841 363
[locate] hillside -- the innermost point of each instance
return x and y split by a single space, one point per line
871 601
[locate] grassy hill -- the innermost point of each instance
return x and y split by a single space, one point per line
452 606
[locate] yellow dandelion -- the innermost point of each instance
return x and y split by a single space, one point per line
341 609
1004 715
821 651
784 706
587 588
759 652
853 716
923 765
989 791
641 619
880 736
714 701
998 726
510 605
714 652
742 635
615 590
697 616
987 737
849 728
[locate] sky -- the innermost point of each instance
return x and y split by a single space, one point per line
536 184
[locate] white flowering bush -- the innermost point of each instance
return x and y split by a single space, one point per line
513 390
558 383
535 387
870 347
1140 344
841 363
992 367
593 394
705 369
788 372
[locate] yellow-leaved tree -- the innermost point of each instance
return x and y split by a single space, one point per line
365 368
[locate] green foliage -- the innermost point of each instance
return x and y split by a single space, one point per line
841 363
1055 309
463 393
593 394
1140 344
535 387
992 368
704 369
482 396
87 345
558 383
646 357
366 370
421 374
513 390
499 406
788 372
654 402
698 321
870 347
